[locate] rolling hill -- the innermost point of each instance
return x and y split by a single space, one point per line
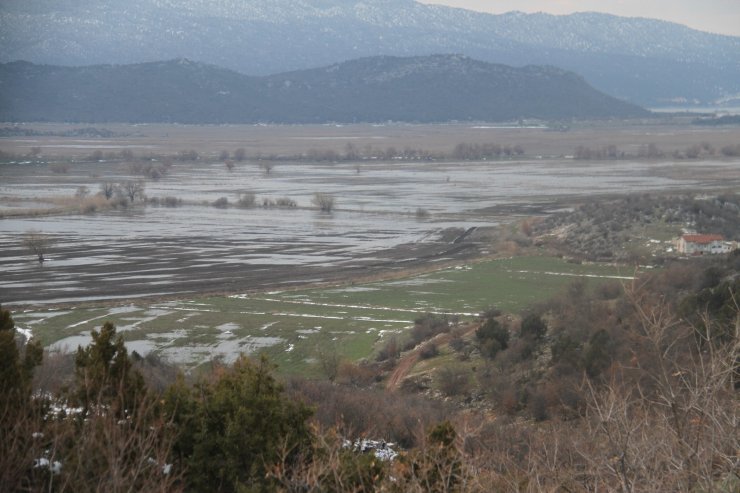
437 88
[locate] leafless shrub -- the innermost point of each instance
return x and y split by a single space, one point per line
104 453
82 192
267 167
396 417
666 422
168 201
155 172
37 243
282 202
731 151
119 201
92 204
453 380
285 203
221 203
357 374
21 443
59 168
650 151
190 155
390 350
426 327
246 200
329 360
422 213
323 201
127 154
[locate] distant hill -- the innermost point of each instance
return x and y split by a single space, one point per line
436 88
644 61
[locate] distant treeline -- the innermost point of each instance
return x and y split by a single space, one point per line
18 131
351 153
722 120
652 151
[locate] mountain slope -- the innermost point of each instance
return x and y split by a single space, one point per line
415 89
641 60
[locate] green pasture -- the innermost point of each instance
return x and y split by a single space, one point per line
291 326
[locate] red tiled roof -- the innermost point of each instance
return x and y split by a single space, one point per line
702 239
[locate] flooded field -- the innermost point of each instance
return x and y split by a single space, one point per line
149 267
291 325
147 251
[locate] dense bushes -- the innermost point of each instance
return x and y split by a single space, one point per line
108 431
599 230
492 337
426 327
233 428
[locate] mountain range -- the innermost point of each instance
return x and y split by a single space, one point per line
644 61
437 88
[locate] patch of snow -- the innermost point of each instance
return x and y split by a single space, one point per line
380 448
26 333
43 463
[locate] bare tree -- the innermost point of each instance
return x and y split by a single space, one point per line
267 167
329 360
38 243
133 189
246 199
108 188
240 154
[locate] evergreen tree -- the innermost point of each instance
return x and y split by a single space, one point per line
235 428
16 364
492 338
104 375
18 415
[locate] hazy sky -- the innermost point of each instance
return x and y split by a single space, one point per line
719 16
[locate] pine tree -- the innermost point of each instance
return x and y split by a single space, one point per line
16 364
104 374
235 428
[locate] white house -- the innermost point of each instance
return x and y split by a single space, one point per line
694 244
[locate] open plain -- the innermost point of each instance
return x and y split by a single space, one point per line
391 218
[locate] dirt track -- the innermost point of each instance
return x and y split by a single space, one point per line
408 360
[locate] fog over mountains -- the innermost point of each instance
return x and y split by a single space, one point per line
644 61
376 89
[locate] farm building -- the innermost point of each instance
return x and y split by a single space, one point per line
695 244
